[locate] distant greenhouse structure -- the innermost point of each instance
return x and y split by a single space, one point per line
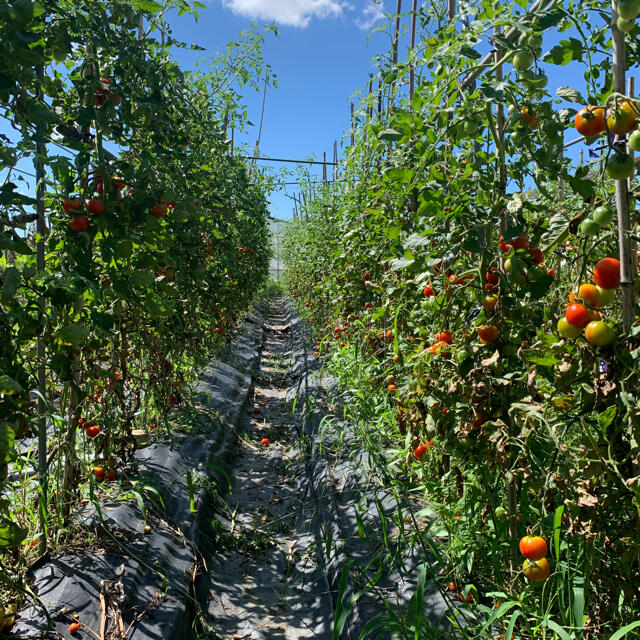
276 266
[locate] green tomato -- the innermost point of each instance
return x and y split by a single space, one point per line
501 513
589 227
603 215
462 355
634 140
534 40
567 330
522 60
607 297
620 166
625 25
519 136
514 269
628 9
471 127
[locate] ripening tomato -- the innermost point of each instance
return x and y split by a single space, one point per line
530 117
444 336
621 118
489 303
589 121
74 627
536 570
606 273
110 475
488 333
98 472
599 333
438 347
533 548
578 315
566 330
392 388
491 276
368 305
588 293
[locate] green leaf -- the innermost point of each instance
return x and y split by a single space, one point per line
606 417
7 440
10 282
539 357
570 94
621 633
11 535
564 52
73 334
390 135
9 386
148 6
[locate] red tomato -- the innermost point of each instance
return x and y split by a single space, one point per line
98 472
521 242
96 206
536 255
72 204
533 548
264 442
420 451
74 627
578 315
606 274
589 121
428 291
79 223
110 475
444 336
392 388
491 276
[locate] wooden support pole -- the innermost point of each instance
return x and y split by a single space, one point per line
412 72
324 169
41 228
335 159
370 106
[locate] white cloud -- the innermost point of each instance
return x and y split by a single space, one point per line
372 13
296 13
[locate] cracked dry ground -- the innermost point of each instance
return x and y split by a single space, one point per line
265 581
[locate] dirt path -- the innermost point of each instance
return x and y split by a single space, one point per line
266 581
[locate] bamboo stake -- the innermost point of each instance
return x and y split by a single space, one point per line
633 245
353 132
41 228
396 37
622 193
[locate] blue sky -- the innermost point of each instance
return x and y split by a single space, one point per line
320 58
